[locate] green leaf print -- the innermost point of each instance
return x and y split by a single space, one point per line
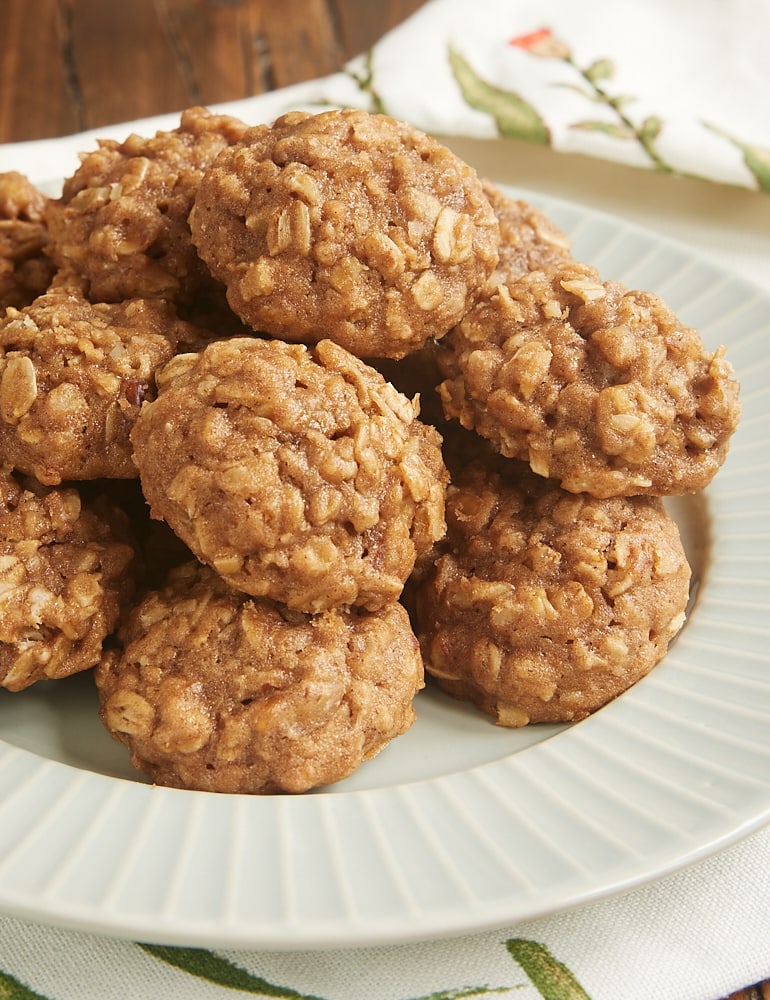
215 969
551 978
543 44
365 82
601 69
12 989
758 162
651 128
514 117
756 158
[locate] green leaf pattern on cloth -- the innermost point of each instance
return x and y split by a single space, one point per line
544 44
756 158
214 969
220 971
514 117
12 989
517 118
550 977
464 991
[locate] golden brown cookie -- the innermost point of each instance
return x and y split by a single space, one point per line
25 270
594 385
121 222
298 474
529 239
349 226
20 199
67 567
217 691
545 605
73 376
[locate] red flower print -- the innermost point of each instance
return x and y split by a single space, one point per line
543 43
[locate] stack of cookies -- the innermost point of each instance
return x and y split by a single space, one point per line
308 376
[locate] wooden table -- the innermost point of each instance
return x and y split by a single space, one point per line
71 65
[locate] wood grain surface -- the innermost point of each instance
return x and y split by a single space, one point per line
71 65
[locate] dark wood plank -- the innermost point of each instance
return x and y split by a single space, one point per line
230 50
217 46
761 991
124 62
361 23
300 40
89 62
36 91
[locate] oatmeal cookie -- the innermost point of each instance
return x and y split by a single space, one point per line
214 690
20 199
597 386
25 270
529 239
72 379
67 568
298 474
121 222
545 605
348 226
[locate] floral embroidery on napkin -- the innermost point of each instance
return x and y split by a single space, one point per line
513 116
591 84
12 989
610 114
756 158
550 977
517 118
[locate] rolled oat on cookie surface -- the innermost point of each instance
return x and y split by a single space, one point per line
73 377
349 226
25 269
529 239
544 605
211 689
67 569
597 386
297 473
121 222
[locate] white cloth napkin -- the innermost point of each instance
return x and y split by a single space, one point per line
678 84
